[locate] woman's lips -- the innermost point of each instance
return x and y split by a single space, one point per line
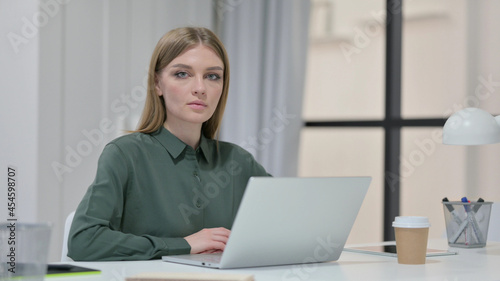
197 105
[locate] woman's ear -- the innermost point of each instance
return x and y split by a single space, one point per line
157 86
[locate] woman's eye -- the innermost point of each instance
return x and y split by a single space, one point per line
181 74
213 76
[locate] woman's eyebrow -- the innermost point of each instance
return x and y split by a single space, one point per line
215 68
181 65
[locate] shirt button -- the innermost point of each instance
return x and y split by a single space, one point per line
198 203
195 174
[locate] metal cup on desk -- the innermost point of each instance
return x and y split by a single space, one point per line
467 222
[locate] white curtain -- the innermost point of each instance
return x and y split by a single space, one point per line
267 45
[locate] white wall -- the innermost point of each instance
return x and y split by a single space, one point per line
75 85
19 107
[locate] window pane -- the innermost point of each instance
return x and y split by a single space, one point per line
349 152
345 70
429 172
450 57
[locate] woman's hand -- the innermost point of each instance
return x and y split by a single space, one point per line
208 240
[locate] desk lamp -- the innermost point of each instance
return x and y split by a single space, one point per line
471 126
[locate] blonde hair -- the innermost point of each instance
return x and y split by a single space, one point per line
170 46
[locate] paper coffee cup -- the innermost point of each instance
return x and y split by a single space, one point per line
411 239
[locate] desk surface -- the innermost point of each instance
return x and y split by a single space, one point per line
469 264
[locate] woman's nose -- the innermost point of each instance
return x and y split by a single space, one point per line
199 86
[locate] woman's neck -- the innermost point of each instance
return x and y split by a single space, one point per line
189 134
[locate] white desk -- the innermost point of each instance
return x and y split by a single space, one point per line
470 264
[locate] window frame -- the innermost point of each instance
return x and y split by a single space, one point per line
393 122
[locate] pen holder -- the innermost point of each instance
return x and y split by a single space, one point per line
467 223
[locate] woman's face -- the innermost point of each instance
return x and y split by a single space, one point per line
191 86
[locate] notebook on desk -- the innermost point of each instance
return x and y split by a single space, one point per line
288 221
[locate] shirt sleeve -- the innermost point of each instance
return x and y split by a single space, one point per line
95 232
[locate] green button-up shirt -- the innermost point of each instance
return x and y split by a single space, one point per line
151 190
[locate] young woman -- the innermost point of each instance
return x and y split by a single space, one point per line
170 187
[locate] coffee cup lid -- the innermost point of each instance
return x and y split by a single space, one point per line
411 222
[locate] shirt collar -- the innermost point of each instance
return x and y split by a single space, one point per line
175 146
205 148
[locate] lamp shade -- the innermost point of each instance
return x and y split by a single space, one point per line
471 126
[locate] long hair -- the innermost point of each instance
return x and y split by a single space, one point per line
170 46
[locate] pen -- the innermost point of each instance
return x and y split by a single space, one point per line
470 219
453 212
476 208
475 225
468 231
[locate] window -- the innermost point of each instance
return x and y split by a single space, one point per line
345 83
354 126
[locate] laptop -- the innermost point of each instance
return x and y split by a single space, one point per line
284 221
